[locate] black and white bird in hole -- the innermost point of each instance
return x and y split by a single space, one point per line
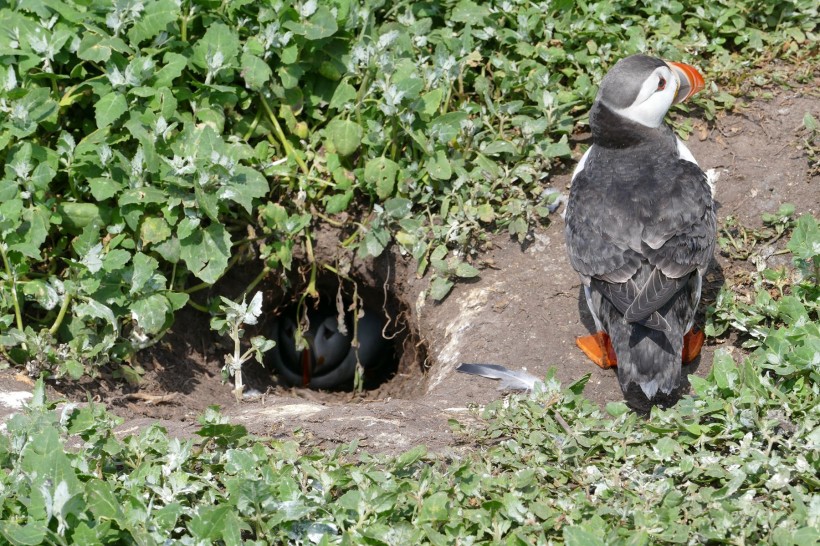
319 347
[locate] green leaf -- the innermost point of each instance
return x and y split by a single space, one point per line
410 457
77 216
31 534
434 508
152 313
255 71
31 110
321 24
805 240
447 126
581 535
145 273
154 230
558 149
398 207
338 202
440 287
11 216
466 271
43 293
616 409
469 12
206 252
93 48
246 185
380 174
343 95
102 502
157 17
208 522
485 212
219 46
109 108
439 166
429 103
498 147
104 188
725 371
345 136
32 233
173 65
810 123
792 311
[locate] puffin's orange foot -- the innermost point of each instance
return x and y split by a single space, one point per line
692 343
599 349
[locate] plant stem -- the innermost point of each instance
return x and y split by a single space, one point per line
253 126
199 307
257 280
360 98
394 151
311 288
281 134
329 220
18 313
61 315
183 27
237 363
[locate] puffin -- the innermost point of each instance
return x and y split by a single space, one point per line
640 230
328 360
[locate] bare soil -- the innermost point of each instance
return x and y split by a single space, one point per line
524 311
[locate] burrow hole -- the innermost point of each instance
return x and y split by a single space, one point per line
359 332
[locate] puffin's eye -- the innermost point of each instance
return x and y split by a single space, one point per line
661 84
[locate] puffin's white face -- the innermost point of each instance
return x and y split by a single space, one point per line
656 96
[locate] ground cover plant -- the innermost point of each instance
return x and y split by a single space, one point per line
734 463
149 146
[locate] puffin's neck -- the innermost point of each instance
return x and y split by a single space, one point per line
611 130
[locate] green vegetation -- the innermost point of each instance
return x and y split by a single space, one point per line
151 145
736 463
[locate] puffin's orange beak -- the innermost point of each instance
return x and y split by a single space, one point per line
690 80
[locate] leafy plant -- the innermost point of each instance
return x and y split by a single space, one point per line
795 299
229 320
743 242
810 143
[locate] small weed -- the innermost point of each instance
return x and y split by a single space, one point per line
741 242
230 320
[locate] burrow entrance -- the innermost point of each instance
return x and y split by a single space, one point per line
355 332
180 376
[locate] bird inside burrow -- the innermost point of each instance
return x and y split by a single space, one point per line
315 348
640 231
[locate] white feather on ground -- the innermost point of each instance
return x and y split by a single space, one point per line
510 379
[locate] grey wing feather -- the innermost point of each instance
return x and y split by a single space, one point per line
655 293
620 294
510 379
591 252
683 238
624 295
